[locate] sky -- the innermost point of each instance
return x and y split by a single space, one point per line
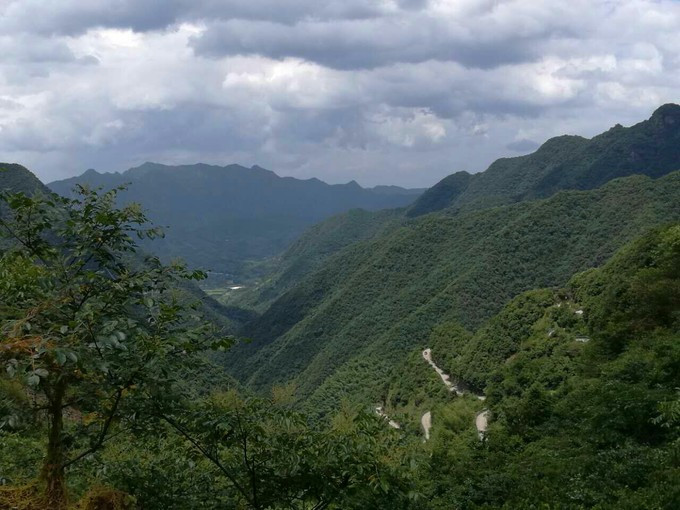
379 91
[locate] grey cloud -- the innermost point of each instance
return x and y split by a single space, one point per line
75 16
413 4
363 44
338 89
8 104
27 49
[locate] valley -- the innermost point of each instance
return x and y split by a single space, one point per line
505 339
231 220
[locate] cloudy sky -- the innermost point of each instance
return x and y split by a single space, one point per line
380 91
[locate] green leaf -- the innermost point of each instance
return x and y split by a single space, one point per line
61 357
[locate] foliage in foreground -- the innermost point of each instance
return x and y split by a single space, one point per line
105 385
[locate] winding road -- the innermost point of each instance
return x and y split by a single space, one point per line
446 379
482 422
482 418
426 423
379 411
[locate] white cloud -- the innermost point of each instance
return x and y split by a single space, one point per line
379 91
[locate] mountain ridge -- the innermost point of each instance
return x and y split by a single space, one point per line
651 147
370 295
379 296
225 218
497 186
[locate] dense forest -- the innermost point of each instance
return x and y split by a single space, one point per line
374 290
517 347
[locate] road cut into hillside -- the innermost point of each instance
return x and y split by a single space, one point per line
482 418
426 423
446 379
380 412
482 422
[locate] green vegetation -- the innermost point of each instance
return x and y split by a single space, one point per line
649 148
312 249
19 179
82 329
564 312
580 424
225 219
347 305
108 398
342 330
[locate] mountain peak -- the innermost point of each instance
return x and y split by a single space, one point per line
667 115
15 177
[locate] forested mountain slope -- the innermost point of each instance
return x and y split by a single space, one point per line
15 178
342 329
221 217
583 397
313 247
651 148
18 178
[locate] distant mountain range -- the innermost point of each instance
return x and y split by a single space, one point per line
225 218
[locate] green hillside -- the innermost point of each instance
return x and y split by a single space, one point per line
18 178
343 328
312 248
581 380
583 401
222 218
651 148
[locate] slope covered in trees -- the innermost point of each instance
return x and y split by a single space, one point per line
106 387
583 400
108 398
219 218
651 148
341 329
17 178
567 162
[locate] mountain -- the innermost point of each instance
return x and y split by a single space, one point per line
340 330
581 392
358 293
220 218
651 147
16 178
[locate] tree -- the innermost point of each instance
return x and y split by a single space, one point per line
270 456
87 325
